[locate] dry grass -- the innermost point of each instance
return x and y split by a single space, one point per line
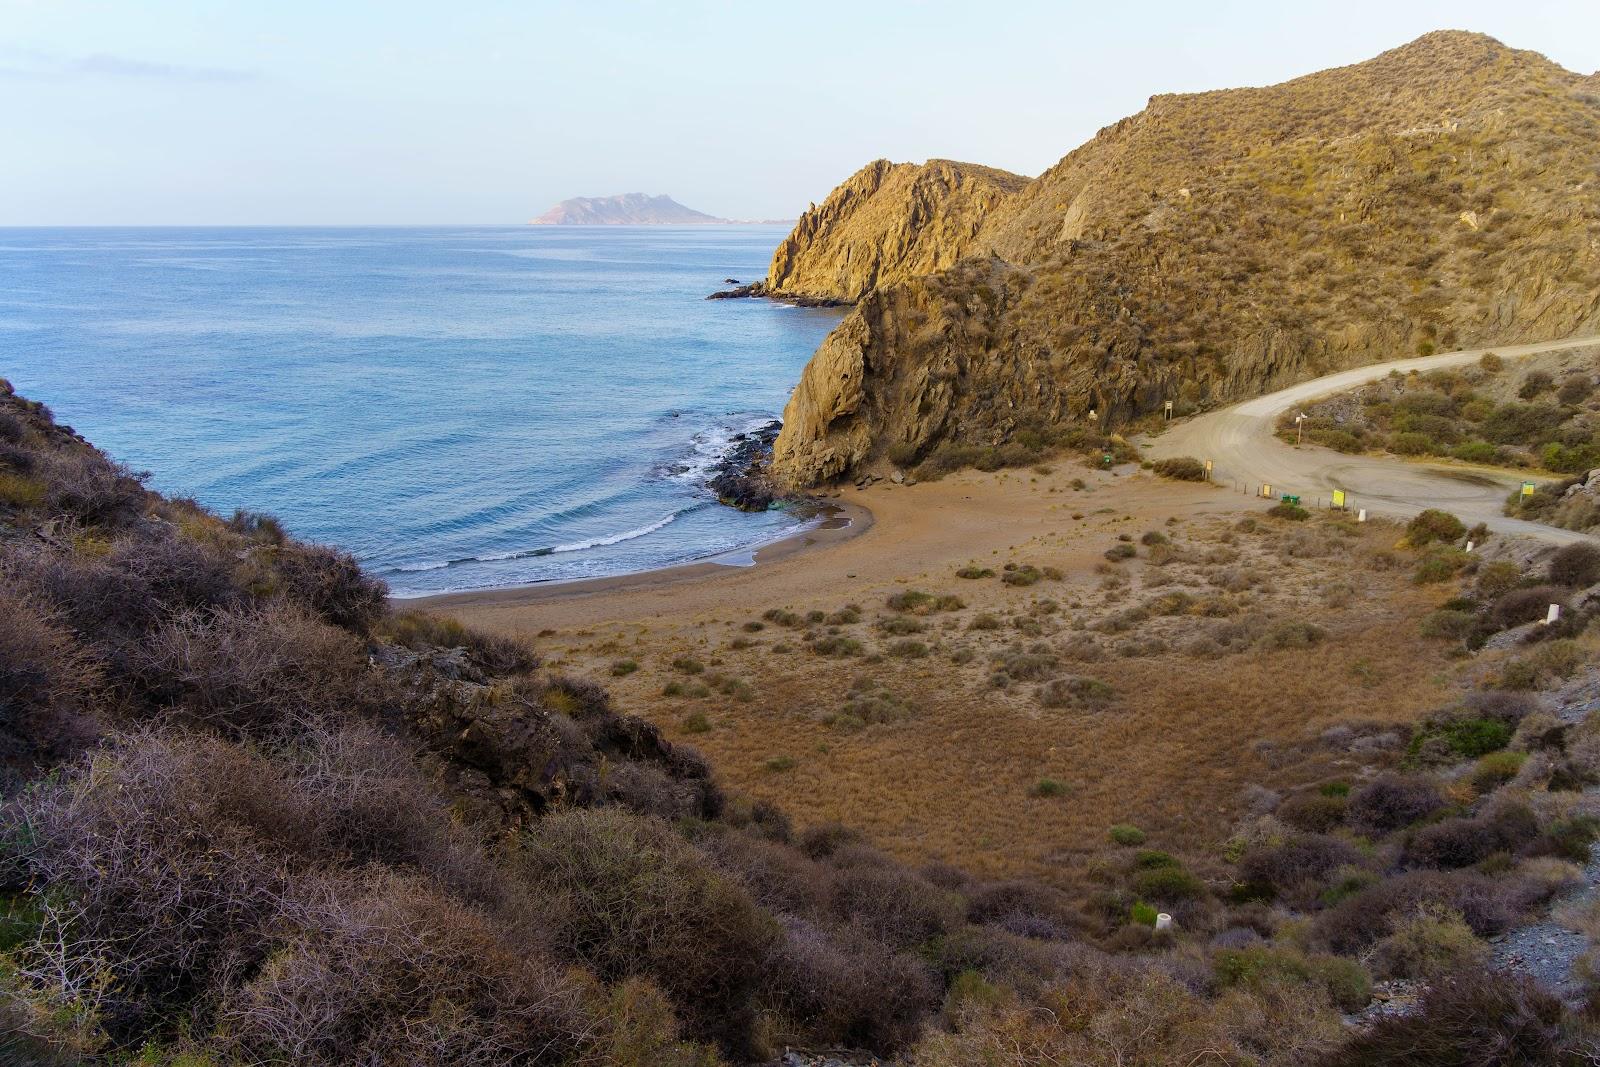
948 778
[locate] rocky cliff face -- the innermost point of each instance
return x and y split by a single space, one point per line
888 222
1213 246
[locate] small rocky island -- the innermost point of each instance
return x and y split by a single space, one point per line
625 209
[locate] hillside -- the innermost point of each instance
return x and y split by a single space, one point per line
626 209
888 222
1214 245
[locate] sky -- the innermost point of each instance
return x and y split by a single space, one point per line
347 112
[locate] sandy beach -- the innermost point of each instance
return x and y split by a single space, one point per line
894 533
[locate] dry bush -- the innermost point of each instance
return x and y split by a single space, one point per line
842 987
1478 1018
1576 565
1526 605
1027 909
91 489
391 971
1392 801
493 653
1487 905
257 669
1454 843
1431 942
1313 811
630 898
46 681
1299 868
331 584
169 858
893 904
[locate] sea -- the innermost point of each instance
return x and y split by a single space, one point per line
459 407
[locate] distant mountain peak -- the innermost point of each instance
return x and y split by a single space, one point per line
625 209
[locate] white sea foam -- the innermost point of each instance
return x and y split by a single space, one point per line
627 535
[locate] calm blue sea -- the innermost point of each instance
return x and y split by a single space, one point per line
460 407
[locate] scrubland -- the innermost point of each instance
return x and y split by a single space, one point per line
255 814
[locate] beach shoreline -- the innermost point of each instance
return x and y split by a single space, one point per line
846 521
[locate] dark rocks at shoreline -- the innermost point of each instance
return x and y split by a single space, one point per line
759 289
740 478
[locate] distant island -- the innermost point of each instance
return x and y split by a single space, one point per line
628 209
636 209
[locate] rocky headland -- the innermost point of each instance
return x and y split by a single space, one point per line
1214 246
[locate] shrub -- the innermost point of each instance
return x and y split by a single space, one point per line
1526 605
623 667
1433 526
397 973
493 653
1536 382
908 649
894 904
626 895
1025 575
1487 905
1576 565
1297 868
971 571
845 988
1392 801
1455 843
1292 633
1477 1018
1346 981
1181 468
1142 914
688 665
1496 769
331 584
1119 552
1087 693
1047 788
1440 565
256 670
1167 883
1124 834
46 680
1292 512
1313 812
1448 624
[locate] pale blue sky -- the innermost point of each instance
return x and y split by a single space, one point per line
169 112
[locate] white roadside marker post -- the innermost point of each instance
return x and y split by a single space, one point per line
1163 921
1361 516
1552 615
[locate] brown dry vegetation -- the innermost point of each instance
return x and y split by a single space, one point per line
936 755
253 815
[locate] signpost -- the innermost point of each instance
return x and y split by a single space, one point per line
1168 409
1527 489
1338 499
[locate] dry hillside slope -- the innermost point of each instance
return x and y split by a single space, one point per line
887 222
1443 194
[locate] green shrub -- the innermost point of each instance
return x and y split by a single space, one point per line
908 649
1142 914
1440 565
780 763
1167 883
1126 834
1475 452
623 667
1049 787
1434 525
971 571
1496 769
688 665
1119 552
1292 512
696 723
1346 981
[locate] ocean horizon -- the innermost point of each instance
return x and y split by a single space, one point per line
461 408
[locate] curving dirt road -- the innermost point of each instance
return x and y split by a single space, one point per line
1240 443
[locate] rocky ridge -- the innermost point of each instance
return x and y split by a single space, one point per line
1216 245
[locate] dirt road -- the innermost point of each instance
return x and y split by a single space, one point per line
1240 443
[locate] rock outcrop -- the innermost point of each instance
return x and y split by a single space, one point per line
886 223
1211 247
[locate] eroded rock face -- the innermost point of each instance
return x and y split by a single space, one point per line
1212 247
888 222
